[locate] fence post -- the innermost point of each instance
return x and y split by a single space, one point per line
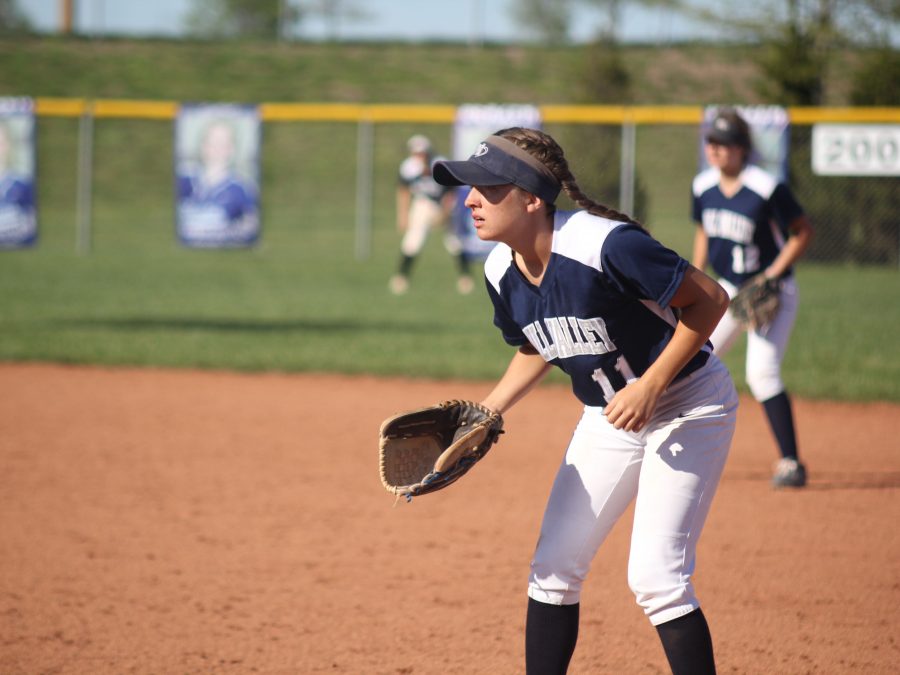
626 168
84 181
364 170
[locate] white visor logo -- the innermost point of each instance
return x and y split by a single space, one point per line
481 150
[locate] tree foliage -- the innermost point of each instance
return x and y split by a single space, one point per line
547 20
11 18
800 38
550 21
236 18
875 81
267 19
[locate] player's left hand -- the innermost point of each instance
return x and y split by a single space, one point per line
632 406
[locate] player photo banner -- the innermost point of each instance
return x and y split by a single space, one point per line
217 148
474 123
769 135
18 213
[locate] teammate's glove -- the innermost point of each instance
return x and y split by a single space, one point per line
425 450
757 302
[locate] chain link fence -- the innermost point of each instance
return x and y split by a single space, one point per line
312 173
857 218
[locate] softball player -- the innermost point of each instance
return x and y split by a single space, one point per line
628 320
748 223
421 205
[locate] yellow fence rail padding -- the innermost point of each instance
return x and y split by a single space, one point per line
614 114
583 114
666 114
446 114
60 107
153 110
346 112
859 115
411 113
310 112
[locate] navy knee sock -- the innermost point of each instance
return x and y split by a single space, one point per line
781 419
406 263
463 262
688 645
550 635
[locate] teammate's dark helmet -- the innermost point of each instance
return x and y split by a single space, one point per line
729 128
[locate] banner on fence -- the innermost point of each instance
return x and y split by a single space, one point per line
18 215
217 149
769 135
474 123
856 149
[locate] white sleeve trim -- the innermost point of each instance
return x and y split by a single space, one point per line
759 181
705 180
583 237
498 261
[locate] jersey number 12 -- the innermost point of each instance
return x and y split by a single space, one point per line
745 259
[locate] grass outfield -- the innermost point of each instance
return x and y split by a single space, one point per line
302 302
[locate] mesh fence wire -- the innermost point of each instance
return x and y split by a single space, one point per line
309 178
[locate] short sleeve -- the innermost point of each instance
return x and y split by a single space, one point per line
511 332
696 209
785 207
640 266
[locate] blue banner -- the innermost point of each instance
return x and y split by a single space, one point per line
18 209
217 149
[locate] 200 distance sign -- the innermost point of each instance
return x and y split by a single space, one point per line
856 149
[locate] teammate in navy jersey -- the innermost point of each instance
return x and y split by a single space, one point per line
748 224
628 320
422 204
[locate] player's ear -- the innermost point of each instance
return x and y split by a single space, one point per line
533 203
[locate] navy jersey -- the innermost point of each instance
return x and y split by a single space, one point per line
601 311
415 174
18 224
747 230
215 206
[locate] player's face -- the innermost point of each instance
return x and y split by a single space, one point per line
496 210
218 146
729 159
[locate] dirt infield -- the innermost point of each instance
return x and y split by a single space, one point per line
185 522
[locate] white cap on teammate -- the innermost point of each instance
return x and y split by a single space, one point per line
418 143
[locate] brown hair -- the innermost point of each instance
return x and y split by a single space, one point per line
547 151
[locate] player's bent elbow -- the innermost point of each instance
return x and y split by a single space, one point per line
720 299
803 230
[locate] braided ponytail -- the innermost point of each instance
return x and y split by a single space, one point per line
547 151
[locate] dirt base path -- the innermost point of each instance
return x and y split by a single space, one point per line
188 522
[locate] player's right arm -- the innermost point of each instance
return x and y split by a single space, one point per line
702 302
700 257
404 197
526 369
448 205
801 234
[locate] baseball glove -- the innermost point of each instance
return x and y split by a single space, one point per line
426 450
757 302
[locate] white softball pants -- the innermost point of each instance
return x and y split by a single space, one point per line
424 213
671 469
765 347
